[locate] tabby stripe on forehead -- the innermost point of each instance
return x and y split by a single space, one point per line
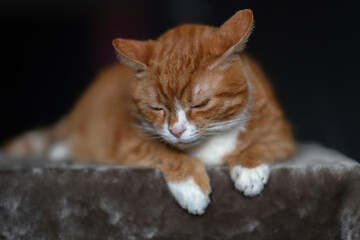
230 94
160 87
184 87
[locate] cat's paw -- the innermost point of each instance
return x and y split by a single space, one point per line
189 195
250 181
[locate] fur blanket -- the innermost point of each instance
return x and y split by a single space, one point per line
315 195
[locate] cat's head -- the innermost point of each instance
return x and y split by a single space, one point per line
190 81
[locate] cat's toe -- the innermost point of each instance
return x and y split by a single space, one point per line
189 195
250 181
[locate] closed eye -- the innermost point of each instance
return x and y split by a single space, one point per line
202 104
156 108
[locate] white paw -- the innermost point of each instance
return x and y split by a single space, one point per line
250 181
189 195
58 151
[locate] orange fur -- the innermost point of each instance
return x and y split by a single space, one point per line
205 69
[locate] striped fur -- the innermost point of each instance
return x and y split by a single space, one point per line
170 103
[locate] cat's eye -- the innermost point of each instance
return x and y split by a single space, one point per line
139 73
156 108
202 104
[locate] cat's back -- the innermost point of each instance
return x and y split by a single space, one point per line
110 81
106 95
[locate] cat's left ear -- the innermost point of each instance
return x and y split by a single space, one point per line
230 38
134 53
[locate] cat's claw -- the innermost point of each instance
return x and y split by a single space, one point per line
250 181
189 195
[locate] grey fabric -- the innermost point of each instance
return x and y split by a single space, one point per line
315 195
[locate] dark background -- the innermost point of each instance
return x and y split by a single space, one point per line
50 51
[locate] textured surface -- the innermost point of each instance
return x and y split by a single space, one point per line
316 195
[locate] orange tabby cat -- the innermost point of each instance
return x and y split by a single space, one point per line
192 97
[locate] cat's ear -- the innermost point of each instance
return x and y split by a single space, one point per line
232 35
133 53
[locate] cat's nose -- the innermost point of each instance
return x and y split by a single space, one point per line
177 131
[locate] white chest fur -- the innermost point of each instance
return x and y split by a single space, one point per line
213 149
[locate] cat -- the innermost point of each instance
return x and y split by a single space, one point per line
190 98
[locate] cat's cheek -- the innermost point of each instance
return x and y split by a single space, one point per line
155 117
160 117
194 115
200 119
195 119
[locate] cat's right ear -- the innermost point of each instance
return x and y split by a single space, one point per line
230 38
133 53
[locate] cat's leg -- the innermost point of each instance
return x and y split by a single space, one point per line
38 142
188 181
185 176
250 169
32 143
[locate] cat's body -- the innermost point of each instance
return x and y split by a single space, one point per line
190 98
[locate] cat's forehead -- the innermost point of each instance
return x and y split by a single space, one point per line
186 86
180 65
178 59
181 48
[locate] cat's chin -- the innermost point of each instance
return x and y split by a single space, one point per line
184 145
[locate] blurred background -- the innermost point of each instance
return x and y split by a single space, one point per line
51 50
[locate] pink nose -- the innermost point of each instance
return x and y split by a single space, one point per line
177 131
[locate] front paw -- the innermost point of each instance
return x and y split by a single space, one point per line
189 195
250 181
